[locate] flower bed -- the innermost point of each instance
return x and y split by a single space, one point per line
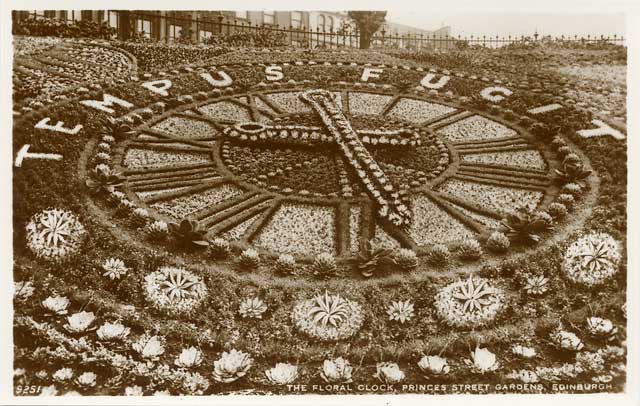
476 128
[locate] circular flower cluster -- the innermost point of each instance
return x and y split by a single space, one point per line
55 234
174 290
469 303
327 317
592 259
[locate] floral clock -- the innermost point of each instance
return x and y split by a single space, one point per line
309 170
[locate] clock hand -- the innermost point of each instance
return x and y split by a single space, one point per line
251 131
352 148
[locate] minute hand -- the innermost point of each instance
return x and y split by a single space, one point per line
369 172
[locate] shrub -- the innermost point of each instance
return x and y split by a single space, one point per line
557 210
469 250
498 242
406 259
285 264
324 266
439 254
249 259
219 248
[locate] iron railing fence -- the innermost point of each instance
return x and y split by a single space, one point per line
175 28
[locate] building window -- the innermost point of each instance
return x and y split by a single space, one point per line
296 19
143 27
113 19
321 24
242 14
329 23
269 17
50 13
86 15
205 35
174 32
64 15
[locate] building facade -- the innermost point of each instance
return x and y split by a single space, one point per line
326 28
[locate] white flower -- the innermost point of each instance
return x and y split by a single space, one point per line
389 372
114 268
483 360
231 366
536 285
162 393
524 352
189 357
56 304
18 372
566 340
601 327
23 290
282 374
112 331
149 347
79 322
133 391
336 371
87 379
252 308
48 391
42 374
63 374
400 311
433 364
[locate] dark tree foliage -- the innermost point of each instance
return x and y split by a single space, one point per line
367 22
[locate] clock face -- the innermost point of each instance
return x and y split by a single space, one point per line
307 170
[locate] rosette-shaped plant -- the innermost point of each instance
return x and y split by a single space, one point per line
114 268
389 373
282 374
157 230
469 303
189 357
252 308
219 248
524 352
572 172
113 331
56 304
400 311
79 322
406 259
285 264
103 179
482 360
371 258
328 317
149 347
592 259
600 327
249 259
565 340
434 365
336 371
114 128
324 266
524 225
536 285
174 290
55 235
231 366
188 234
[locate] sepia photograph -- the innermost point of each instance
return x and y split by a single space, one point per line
307 202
